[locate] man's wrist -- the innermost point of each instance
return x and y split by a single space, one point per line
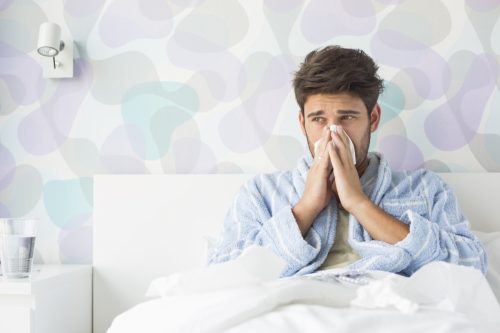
379 224
304 216
357 205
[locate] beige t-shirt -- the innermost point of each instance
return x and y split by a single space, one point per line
341 254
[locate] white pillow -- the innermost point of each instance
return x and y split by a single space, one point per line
491 243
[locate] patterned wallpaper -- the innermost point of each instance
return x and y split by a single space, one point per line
204 86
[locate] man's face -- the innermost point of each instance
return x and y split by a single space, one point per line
322 110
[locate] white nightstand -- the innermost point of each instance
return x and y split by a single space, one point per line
55 299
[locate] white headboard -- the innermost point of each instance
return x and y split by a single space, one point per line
146 226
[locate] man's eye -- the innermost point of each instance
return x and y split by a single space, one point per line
317 119
347 117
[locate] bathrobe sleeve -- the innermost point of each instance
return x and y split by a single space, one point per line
442 233
259 217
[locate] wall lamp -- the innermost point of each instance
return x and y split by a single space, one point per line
50 45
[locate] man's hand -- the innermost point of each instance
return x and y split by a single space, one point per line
317 193
379 224
347 183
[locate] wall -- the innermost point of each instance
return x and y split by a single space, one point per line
204 87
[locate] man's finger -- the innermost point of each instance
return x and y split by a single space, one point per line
350 150
334 157
340 145
320 151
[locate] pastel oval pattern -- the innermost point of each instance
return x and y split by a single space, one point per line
126 20
130 68
209 29
319 25
7 165
415 15
79 8
122 150
66 199
156 109
46 128
22 192
255 118
21 73
392 101
401 153
193 156
462 113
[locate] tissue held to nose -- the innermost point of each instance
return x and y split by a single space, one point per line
333 128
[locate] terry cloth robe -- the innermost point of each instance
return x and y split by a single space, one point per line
262 214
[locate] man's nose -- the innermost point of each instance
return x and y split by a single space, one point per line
330 124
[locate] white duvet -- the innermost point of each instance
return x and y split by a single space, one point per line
440 297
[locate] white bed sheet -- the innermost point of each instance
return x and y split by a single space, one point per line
156 317
309 305
300 318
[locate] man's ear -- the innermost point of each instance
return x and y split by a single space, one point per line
375 117
302 123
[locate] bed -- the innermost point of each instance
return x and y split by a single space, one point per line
152 226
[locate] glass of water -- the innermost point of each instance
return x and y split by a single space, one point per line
18 244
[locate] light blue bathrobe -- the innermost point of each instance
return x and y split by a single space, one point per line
262 214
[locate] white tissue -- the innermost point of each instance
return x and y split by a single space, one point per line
254 266
316 144
333 128
381 294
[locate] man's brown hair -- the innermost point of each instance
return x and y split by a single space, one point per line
335 70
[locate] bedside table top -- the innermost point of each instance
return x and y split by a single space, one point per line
43 276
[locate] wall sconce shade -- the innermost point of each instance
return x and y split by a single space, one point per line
51 45
49 39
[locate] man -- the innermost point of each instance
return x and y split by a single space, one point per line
331 212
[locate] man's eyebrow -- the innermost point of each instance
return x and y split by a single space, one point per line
316 113
341 112
348 112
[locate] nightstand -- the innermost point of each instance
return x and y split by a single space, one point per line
55 299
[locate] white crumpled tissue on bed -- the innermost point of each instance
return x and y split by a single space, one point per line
254 266
437 285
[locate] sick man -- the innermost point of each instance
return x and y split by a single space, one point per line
341 207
